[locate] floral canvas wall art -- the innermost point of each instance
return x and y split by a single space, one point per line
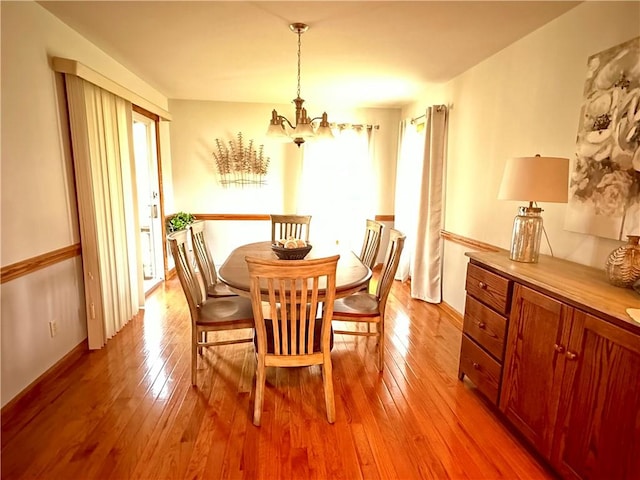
604 187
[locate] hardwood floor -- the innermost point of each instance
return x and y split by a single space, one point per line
128 411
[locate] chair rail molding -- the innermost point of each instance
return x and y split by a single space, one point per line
260 216
30 265
468 242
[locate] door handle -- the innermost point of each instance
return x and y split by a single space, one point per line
154 211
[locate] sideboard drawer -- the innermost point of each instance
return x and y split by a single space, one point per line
488 287
485 326
480 368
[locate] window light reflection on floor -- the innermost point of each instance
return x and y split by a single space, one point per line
401 333
152 336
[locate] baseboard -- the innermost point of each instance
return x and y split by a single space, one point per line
454 316
153 289
451 313
15 404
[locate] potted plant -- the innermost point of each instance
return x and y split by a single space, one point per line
179 221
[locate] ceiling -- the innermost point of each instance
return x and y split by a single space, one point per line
363 53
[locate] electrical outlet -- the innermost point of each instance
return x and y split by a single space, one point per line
53 328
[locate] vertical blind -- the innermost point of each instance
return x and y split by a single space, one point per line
101 135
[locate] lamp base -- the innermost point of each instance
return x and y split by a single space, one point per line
526 235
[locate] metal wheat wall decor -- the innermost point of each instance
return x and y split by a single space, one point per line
240 164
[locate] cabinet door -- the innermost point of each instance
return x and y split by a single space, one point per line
598 433
539 329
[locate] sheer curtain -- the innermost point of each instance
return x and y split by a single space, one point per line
409 170
101 135
419 203
337 186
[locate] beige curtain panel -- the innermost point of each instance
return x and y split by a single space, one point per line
419 202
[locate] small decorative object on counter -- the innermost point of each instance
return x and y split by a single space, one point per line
623 264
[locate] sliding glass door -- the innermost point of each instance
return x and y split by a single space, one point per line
147 180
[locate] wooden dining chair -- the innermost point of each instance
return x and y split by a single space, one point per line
214 287
292 328
285 226
367 307
371 243
207 314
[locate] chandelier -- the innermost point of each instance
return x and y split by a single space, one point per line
303 127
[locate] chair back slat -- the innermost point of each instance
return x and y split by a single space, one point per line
280 317
291 288
371 243
389 267
203 255
285 226
188 279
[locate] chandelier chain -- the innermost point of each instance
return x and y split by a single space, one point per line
299 44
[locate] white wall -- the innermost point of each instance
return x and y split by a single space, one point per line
38 198
197 124
526 99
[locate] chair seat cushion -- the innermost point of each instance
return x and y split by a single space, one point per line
227 312
359 304
220 290
317 337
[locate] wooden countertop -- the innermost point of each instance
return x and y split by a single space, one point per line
581 286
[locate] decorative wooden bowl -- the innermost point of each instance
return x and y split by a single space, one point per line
291 253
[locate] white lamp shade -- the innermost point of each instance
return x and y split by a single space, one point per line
276 131
324 133
303 130
535 179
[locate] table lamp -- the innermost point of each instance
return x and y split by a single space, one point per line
532 179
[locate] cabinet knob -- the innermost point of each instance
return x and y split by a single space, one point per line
482 325
476 365
571 356
558 348
482 285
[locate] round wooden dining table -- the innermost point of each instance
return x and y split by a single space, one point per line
351 273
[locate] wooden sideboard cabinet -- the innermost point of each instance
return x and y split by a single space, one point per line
570 372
